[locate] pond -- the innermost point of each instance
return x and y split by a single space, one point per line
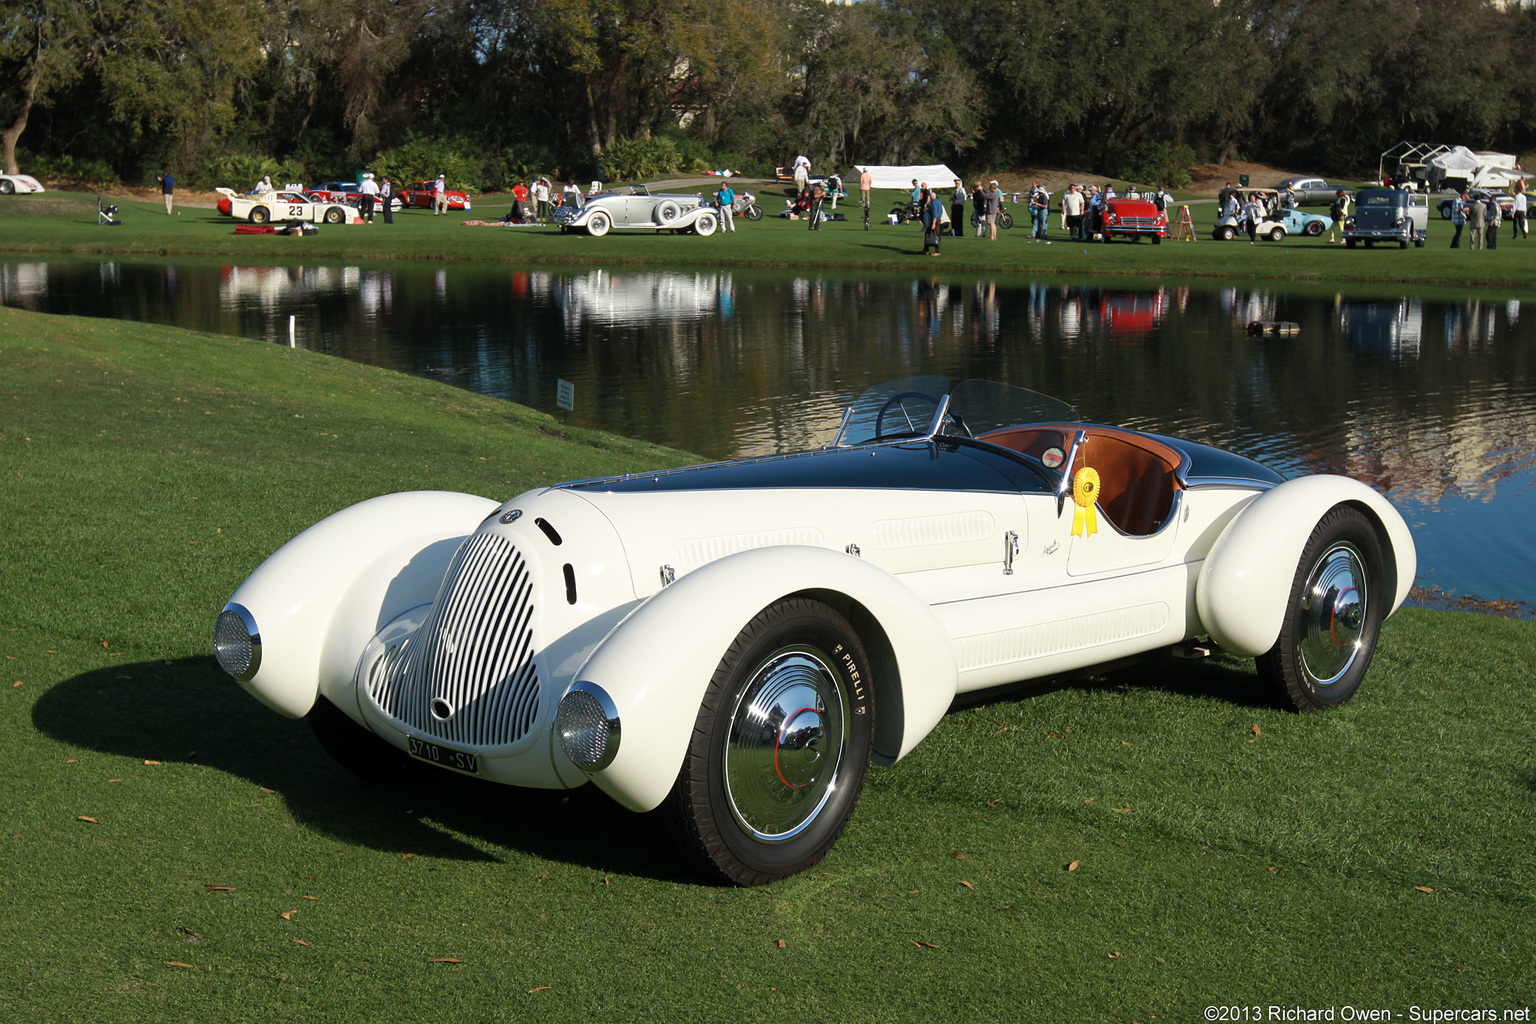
1431 400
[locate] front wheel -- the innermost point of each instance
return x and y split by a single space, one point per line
598 224
7 187
259 215
1277 234
1226 233
1333 615
706 224
780 748
1004 219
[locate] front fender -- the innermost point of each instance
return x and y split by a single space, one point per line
657 663
319 598
1245 583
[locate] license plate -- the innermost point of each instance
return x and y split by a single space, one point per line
442 755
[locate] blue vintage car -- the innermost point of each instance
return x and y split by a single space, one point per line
1298 222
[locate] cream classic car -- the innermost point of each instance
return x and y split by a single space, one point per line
737 642
638 208
285 205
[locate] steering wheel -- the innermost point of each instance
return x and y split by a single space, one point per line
894 401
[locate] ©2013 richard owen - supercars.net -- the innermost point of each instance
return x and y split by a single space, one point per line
737 642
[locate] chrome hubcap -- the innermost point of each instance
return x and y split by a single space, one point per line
1333 608
784 752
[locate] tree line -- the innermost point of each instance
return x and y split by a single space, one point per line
489 91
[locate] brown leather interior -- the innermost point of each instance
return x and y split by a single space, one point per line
1136 474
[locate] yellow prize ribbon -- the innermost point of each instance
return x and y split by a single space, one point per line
1085 495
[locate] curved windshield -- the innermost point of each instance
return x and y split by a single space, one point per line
923 407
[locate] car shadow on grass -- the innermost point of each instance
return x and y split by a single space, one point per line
1218 677
188 712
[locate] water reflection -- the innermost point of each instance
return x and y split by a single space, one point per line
1431 401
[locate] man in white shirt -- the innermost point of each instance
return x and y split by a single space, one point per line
1521 223
802 172
369 189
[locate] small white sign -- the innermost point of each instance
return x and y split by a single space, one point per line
565 394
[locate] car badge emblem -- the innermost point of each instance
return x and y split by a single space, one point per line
512 516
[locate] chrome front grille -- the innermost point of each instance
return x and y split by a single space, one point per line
467 675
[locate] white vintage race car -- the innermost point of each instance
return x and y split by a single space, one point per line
638 208
19 184
738 641
281 206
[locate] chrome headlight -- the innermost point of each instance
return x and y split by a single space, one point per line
587 723
237 642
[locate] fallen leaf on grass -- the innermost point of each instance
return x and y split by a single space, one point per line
447 960
1121 810
1423 888
782 944
219 888
287 915
16 684
93 821
1126 743
407 856
309 897
924 945
957 855
1114 956
968 885
1256 730
151 762
178 963
269 792
298 942
541 988
1073 865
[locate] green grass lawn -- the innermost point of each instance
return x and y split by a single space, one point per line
1130 848
65 223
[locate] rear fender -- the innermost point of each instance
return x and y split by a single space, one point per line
319 598
657 663
1245 583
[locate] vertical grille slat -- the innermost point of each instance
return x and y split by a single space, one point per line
474 652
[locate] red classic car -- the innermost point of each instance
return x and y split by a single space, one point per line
419 194
1133 219
342 192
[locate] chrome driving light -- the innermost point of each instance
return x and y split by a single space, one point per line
587 723
237 642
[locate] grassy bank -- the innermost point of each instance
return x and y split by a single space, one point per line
65 223
1128 849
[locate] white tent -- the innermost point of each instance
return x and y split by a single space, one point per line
893 176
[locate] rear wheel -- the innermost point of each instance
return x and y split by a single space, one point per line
1333 615
334 215
780 748
1313 228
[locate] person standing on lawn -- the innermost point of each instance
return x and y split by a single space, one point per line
167 187
957 216
933 222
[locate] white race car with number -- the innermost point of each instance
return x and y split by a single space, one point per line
282 206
